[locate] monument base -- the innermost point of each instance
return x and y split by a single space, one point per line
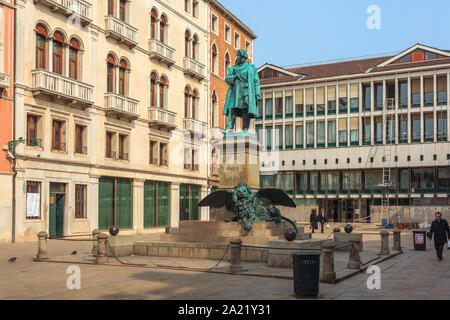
239 163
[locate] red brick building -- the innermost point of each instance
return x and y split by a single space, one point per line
6 115
228 34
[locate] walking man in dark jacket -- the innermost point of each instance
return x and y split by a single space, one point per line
313 220
441 231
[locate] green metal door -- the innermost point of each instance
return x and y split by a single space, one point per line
124 204
163 205
149 204
105 203
184 202
195 199
56 219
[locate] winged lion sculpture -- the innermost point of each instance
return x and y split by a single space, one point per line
249 207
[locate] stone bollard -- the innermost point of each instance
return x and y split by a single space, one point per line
101 249
95 234
384 243
397 241
354 259
235 266
42 246
327 274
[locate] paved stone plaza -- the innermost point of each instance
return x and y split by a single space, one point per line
411 275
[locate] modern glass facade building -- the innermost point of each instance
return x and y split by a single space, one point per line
332 134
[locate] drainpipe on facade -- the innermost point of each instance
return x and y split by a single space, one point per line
13 231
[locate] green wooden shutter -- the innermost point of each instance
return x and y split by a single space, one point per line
163 205
184 202
195 199
149 204
105 203
124 204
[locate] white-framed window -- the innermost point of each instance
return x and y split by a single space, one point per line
248 48
214 23
227 34
237 40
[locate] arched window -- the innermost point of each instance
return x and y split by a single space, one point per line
214 59
153 79
194 47
163 93
73 58
123 67
213 109
110 73
194 104
227 63
58 45
163 29
41 46
187 39
153 24
187 96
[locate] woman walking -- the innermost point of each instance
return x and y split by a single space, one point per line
313 220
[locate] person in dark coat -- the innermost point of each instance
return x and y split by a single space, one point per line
313 219
441 231
323 218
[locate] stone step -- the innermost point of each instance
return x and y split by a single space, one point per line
229 233
231 225
192 238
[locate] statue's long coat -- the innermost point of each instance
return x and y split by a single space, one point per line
254 90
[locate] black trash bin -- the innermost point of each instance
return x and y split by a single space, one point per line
306 274
420 240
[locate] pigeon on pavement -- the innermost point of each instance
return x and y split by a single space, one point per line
74 253
12 260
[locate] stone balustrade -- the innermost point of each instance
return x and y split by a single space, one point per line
120 31
161 51
162 119
80 8
194 68
50 83
121 106
195 127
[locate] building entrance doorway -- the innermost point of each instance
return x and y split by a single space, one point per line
57 204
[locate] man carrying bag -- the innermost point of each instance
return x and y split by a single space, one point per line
441 231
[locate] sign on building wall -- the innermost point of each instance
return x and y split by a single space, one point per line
33 203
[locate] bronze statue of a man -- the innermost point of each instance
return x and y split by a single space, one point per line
243 94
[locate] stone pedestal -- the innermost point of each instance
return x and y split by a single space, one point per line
239 162
280 258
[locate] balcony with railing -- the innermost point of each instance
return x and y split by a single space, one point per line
79 94
162 119
161 52
80 10
195 127
4 81
121 31
194 68
121 107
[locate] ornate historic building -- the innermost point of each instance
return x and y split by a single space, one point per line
349 135
112 97
6 116
228 34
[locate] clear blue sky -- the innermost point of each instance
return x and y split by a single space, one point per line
294 32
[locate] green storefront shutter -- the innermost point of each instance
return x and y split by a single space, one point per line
163 205
149 204
105 203
184 202
195 199
124 204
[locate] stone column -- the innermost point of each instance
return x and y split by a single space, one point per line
138 205
42 246
101 249
235 266
95 235
204 212
93 204
174 205
397 241
354 260
384 243
327 274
